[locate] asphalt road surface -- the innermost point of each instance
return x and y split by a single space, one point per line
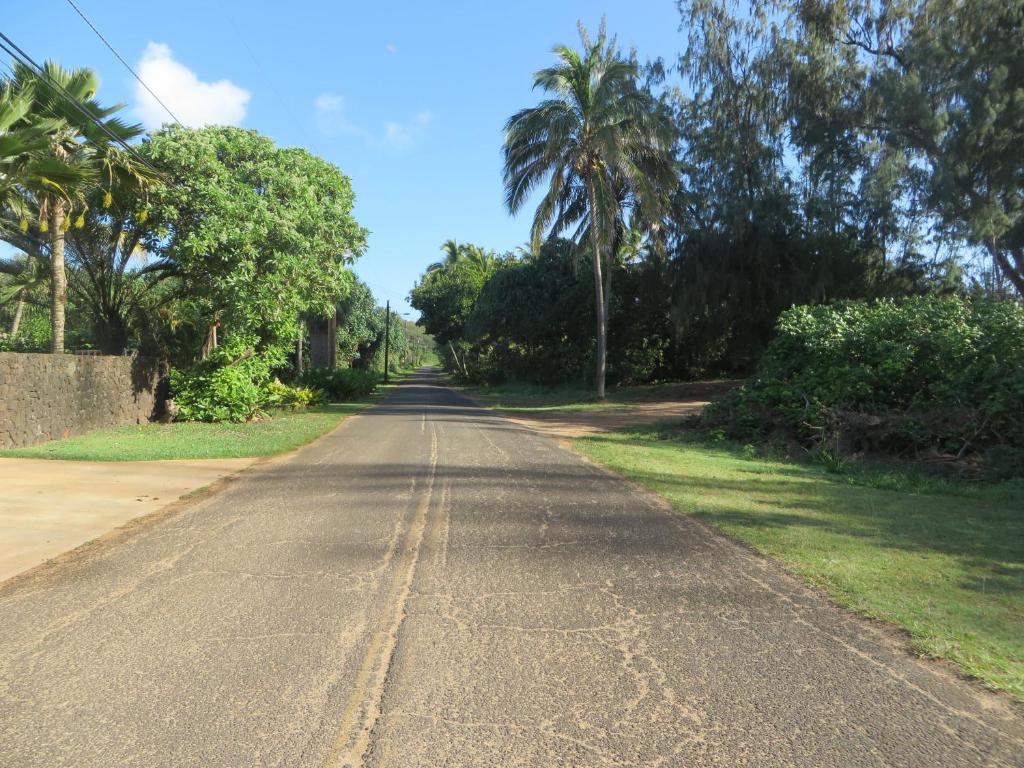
432 585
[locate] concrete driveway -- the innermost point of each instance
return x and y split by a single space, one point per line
48 507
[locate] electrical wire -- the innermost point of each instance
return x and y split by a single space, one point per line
125 63
19 55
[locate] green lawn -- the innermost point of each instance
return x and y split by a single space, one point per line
282 432
947 564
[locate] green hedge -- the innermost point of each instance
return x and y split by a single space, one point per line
915 375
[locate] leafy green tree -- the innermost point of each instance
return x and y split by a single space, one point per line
598 140
82 156
256 235
445 299
951 75
905 116
357 325
361 328
421 348
795 190
536 317
393 329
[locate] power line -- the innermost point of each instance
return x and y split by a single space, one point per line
121 59
233 26
25 60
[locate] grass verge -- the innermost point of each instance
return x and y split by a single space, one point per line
945 562
283 432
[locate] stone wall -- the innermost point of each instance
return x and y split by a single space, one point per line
45 397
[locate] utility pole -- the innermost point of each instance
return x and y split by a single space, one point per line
387 337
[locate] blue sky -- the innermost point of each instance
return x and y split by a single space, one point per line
407 98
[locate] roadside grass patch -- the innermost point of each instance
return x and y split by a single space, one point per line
282 432
944 560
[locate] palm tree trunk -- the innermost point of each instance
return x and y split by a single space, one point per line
58 277
608 285
600 305
19 308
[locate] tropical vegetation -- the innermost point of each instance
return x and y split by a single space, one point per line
799 169
935 378
213 249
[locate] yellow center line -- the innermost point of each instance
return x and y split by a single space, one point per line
363 707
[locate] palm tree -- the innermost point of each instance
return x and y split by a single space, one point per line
113 277
602 143
24 275
452 253
27 168
528 251
86 153
480 260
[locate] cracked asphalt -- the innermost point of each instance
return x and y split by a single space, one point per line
434 585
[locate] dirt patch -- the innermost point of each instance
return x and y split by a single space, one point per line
568 425
666 403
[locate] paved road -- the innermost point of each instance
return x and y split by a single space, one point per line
432 585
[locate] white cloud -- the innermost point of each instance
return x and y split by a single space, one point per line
391 48
192 101
405 135
329 103
331 120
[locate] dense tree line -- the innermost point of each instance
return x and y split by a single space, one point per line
818 151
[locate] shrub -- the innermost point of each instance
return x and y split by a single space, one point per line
924 374
228 386
283 396
34 335
340 384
